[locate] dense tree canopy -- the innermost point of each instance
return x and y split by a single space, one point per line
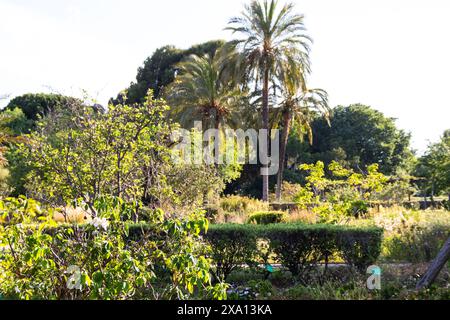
434 168
119 153
36 105
358 137
159 70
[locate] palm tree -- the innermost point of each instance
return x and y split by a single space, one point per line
273 40
300 106
204 91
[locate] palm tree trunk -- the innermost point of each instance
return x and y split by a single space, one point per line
217 139
287 118
265 119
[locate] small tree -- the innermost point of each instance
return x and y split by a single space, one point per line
121 153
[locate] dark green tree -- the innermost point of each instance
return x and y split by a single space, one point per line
434 168
160 69
37 105
358 137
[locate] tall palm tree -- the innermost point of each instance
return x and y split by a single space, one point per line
300 106
204 91
273 39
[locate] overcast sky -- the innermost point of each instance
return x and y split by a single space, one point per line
393 55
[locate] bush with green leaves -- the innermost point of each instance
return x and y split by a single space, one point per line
415 242
103 260
123 152
269 217
232 246
299 248
359 247
346 194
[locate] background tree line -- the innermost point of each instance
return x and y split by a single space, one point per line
259 80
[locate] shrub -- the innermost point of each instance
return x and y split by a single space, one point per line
359 208
105 259
331 291
270 217
410 235
446 205
416 242
360 247
299 248
232 246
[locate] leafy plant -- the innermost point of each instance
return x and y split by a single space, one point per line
267 217
232 247
164 260
122 152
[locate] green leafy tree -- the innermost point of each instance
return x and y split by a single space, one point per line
345 194
120 153
160 69
434 168
358 137
273 40
36 106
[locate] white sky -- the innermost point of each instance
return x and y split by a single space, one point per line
391 54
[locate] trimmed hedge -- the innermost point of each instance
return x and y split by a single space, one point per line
297 247
232 245
269 217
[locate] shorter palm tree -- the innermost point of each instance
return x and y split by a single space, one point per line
299 107
203 92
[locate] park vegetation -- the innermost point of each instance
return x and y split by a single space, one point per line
93 204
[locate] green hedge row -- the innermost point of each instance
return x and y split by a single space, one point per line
297 247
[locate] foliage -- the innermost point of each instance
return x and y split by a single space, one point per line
121 153
267 217
194 185
345 195
434 168
36 106
358 137
232 246
167 261
236 209
299 248
241 205
160 69
273 41
195 181
289 191
14 122
399 189
355 290
203 92
299 108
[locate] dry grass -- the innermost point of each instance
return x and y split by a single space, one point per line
72 215
303 216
